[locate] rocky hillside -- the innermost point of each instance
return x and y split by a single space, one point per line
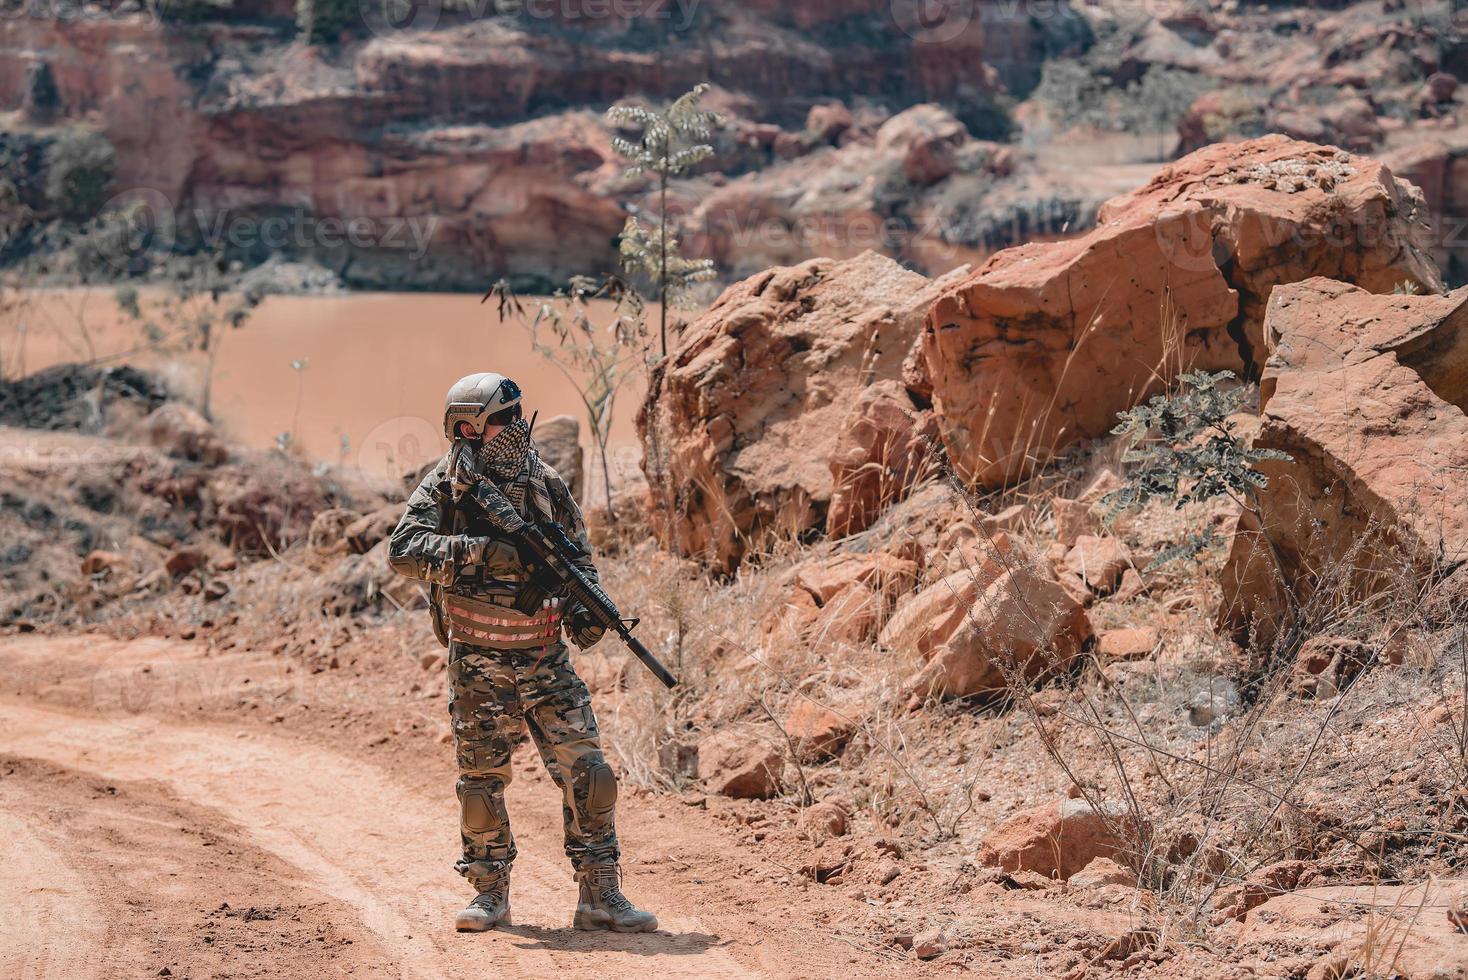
1010 703
470 144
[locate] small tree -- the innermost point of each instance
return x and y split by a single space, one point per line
1184 449
595 360
672 143
189 316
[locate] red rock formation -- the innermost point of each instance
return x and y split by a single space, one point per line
1001 612
1367 394
485 131
1044 344
885 447
751 404
1437 162
1055 839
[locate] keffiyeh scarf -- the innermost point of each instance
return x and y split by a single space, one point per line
511 461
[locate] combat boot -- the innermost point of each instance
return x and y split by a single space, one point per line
603 906
490 908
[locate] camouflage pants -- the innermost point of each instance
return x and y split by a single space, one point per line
490 692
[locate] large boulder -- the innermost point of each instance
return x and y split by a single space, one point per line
1043 345
559 442
1437 162
739 425
1367 394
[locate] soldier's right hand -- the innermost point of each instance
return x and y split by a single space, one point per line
497 556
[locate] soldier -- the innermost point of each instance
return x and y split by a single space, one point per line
505 665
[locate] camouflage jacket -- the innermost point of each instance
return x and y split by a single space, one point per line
424 547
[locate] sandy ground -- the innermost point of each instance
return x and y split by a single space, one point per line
143 834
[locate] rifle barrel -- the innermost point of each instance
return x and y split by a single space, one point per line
648 660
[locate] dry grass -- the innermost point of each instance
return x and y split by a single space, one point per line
1367 785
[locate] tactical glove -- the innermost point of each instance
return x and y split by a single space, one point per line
585 631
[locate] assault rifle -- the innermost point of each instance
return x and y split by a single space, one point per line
549 556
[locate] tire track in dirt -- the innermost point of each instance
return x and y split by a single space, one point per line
41 896
354 835
106 878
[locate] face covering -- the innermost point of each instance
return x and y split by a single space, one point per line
503 457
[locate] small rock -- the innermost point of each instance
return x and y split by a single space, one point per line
825 819
1031 881
1135 643
328 531
1325 664
1131 586
930 944
1458 911
1072 519
739 764
185 560
431 661
1102 871
1010 518
1219 700
828 120
183 433
103 561
1098 561
817 732
1053 839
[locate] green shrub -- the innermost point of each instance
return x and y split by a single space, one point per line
79 165
191 11
322 21
1183 448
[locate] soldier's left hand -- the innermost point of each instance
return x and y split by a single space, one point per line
585 631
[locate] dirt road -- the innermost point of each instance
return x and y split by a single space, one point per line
134 842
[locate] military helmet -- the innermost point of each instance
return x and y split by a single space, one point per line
475 398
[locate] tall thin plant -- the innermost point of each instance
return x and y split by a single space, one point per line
595 360
672 143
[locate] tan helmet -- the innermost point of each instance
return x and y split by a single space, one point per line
475 398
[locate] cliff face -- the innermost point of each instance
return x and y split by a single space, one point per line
479 141
471 144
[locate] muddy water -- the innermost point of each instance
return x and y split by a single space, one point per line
356 379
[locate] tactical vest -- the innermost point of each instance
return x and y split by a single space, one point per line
480 612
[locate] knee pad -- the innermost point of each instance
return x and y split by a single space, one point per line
601 789
480 811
